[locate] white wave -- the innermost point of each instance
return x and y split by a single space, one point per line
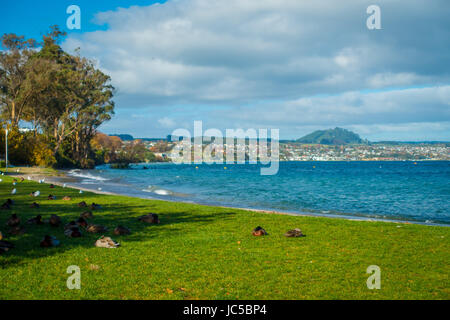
86 175
162 192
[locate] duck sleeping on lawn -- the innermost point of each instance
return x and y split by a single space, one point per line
86 215
51 197
258 231
295 233
67 198
49 241
94 228
82 204
13 221
106 242
95 206
73 232
121 231
17 231
54 220
150 218
35 220
5 246
34 205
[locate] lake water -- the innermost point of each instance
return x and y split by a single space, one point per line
387 190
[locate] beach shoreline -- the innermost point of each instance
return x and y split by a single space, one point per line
63 177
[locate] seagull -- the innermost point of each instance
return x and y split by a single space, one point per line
99 189
64 185
81 191
14 191
29 178
14 183
1 180
36 193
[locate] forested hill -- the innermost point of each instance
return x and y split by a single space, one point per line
335 136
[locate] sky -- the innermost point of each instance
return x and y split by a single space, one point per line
292 65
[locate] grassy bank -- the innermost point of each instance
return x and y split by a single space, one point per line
201 252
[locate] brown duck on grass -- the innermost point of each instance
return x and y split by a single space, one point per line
94 228
51 197
17 231
258 231
49 241
5 206
54 220
5 246
95 206
295 233
150 218
82 204
34 205
87 215
67 198
81 222
35 220
121 231
13 221
73 232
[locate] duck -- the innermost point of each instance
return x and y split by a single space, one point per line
49 241
10 202
73 232
93 228
35 194
13 221
121 231
34 205
67 198
150 218
35 220
17 230
259 231
5 206
14 191
71 224
54 220
51 197
95 206
87 215
106 242
5 246
82 204
52 186
294 233
81 222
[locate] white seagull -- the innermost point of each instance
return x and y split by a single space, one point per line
14 191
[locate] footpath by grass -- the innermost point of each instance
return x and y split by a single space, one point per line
202 252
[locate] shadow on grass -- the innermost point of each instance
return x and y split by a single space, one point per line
112 214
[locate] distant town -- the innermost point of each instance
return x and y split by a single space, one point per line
323 145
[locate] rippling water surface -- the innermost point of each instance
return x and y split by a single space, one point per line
388 190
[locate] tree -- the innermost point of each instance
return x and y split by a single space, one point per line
14 96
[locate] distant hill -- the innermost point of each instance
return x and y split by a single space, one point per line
334 136
123 137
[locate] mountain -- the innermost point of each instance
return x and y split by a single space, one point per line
123 137
334 136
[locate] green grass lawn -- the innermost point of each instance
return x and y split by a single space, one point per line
202 252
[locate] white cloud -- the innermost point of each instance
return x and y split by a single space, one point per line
167 122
